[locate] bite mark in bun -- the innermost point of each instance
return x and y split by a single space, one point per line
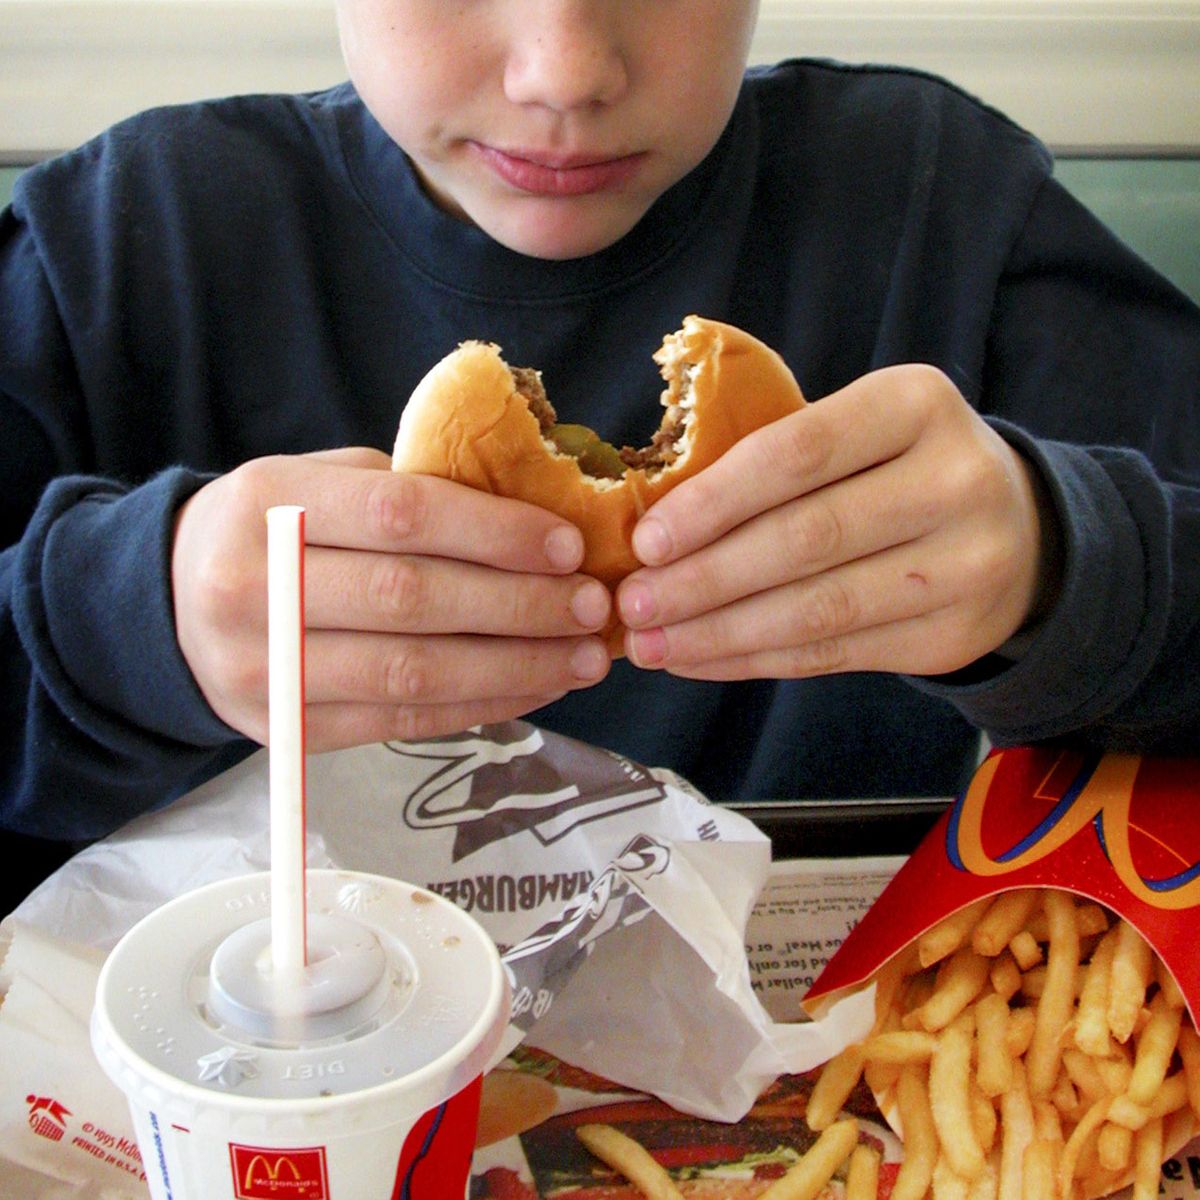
478 421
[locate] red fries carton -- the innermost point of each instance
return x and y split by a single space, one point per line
1123 830
1120 830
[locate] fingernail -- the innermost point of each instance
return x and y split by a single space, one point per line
590 604
564 547
651 541
589 661
638 606
648 647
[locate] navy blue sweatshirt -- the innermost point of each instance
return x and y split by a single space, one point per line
205 284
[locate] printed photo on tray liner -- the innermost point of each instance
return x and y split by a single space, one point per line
710 1159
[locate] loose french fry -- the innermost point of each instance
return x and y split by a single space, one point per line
1114 1146
994 1070
1091 1017
1003 921
631 1159
1074 1146
959 980
1189 1053
1038 1171
1026 951
920 1136
1147 1161
947 1184
1155 1047
1056 1005
1005 977
1020 1031
948 935
833 1087
983 1119
949 1100
808 1177
1131 970
862 1175
1170 1098
1016 1132
900 1046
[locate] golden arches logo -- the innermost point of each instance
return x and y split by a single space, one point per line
1078 791
272 1172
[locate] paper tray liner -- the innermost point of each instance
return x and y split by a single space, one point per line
1120 829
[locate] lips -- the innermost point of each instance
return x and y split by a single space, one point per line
546 174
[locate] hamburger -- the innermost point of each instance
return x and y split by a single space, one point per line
476 420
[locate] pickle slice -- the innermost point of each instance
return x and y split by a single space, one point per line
596 458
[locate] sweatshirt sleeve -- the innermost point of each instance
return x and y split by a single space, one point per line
105 720
1094 376
101 719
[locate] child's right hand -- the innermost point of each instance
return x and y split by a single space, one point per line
429 606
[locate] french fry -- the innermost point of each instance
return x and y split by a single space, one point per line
959 980
994 1070
983 1119
1020 1031
1073 1149
1026 951
1039 1169
833 1087
920 1136
1091 1017
950 1102
900 1046
806 1179
1016 1132
1155 1046
1005 918
1005 977
1168 985
947 936
631 1159
1169 1098
947 1183
1056 1005
1189 1053
862 1174
1131 970
1114 1146
1147 1161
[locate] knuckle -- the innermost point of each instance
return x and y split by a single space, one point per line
800 449
397 505
830 609
398 589
406 676
827 656
813 533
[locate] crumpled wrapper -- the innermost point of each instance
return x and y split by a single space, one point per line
617 894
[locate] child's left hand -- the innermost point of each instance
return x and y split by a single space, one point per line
886 528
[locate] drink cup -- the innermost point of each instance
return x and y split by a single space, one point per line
357 1077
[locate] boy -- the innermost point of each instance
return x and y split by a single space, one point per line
989 518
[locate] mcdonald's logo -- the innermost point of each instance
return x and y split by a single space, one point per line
263 1173
1073 794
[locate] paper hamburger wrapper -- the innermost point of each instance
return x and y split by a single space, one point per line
617 894
1122 830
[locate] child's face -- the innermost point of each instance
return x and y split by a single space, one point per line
553 125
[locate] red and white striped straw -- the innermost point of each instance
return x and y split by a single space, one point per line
285 659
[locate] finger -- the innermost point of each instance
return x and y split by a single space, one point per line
896 585
909 647
864 424
360 509
355 589
337 726
844 521
377 668
362 457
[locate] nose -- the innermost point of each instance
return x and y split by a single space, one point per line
568 54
